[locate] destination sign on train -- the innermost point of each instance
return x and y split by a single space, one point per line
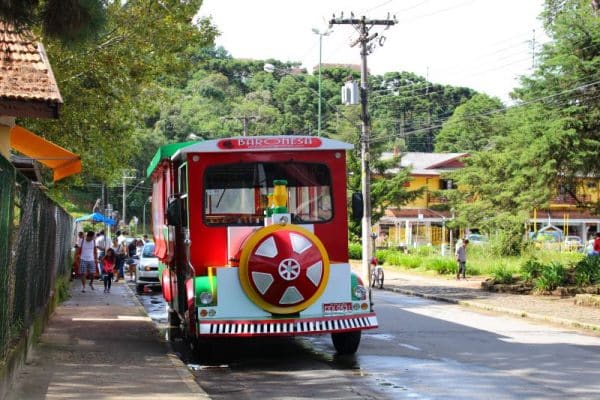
269 143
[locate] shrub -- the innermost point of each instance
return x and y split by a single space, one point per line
425 251
382 255
531 269
552 275
405 260
506 244
501 274
355 251
587 271
442 265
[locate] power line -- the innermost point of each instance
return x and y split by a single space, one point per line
532 101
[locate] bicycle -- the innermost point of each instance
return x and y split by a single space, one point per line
377 274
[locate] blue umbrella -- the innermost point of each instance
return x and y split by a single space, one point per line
96 217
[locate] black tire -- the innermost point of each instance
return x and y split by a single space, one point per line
203 349
346 342
139 288
174 329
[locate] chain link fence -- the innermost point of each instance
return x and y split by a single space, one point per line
35 242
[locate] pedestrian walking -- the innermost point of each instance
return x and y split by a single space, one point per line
121 256
108 266
461 258
101 244
89 259
77 259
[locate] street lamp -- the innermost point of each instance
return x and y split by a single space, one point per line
321 34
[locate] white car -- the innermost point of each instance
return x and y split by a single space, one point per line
574 243
146 272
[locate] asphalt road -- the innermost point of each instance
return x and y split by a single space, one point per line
422 350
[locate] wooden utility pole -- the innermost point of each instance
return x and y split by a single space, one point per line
363 26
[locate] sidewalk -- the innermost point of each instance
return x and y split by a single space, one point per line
468 292
103 346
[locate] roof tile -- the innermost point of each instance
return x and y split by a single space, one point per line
25 73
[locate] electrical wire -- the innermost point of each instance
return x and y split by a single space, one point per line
525 103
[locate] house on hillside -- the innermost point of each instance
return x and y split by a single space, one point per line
423 221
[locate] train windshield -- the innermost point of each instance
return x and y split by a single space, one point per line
236 194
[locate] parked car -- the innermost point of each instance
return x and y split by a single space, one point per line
573 243
547 239
147 268
477 239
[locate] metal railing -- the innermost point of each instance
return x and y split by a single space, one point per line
35 241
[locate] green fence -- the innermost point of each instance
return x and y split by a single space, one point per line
35 241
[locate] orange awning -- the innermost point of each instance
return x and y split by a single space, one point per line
61 161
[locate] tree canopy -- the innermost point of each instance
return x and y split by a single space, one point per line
546 143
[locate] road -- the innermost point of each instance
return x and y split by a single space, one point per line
422 350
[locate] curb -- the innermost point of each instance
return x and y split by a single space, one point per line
510 311
182 370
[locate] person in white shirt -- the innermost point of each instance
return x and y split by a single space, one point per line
89 259
102 245
461 258
120 237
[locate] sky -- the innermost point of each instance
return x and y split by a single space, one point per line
482 44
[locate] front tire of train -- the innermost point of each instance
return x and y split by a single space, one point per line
346 342
175 331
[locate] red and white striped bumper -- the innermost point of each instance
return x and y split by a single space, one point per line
287 327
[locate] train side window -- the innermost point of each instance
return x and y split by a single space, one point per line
182 189
182 186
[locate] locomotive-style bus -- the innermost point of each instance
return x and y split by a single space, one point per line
252 236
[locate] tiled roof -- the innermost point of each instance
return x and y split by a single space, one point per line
25 73
428 163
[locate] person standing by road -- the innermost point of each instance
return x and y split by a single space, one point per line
596 245
461 258
101 245
121 256
108 266
89 259
77 260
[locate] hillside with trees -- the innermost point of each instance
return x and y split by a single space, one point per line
146 75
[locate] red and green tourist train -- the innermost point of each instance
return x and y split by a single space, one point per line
252 237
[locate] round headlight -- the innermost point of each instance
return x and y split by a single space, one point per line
360 292
206 298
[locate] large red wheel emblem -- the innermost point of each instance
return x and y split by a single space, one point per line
283 269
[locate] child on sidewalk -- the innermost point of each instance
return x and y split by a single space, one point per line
108 266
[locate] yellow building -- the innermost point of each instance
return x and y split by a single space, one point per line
423 221
567 210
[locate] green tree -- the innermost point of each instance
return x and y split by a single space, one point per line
110 87
566 82
68 20
472 126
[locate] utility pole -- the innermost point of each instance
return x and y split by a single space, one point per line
363 25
